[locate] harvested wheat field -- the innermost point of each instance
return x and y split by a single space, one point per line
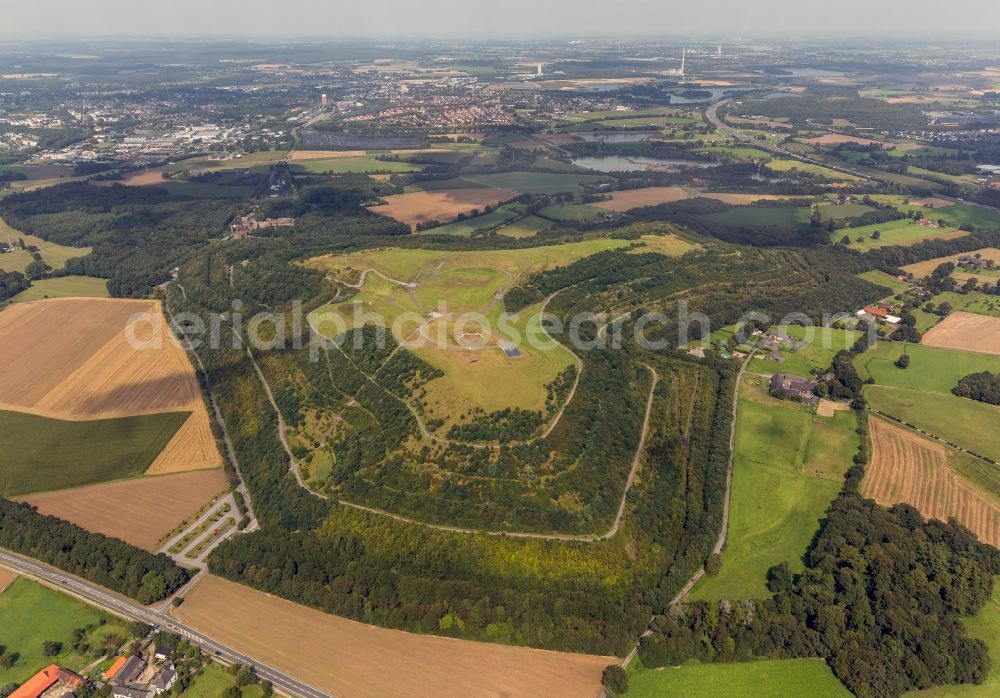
442 205
838 139
637 198
348 658
966 331
735 199
933 202
141 511
921 269
907 467
7 578
87 368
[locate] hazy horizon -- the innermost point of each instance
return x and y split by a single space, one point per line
774 19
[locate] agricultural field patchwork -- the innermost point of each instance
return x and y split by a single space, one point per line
52 254
966 332
637 198
297 639
907 467
140 511
442 205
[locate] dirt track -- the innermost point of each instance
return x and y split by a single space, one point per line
906 467
353 659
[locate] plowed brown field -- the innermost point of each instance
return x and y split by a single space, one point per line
71 359
442 205
907 467
140 512
7 578
348 658
966 331
636 198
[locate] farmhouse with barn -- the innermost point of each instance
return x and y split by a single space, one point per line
794 388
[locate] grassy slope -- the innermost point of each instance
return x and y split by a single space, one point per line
471 225
54 255
785 475
41 454
971 425
880 278
931 369
902 232
762 679
64 287
31 614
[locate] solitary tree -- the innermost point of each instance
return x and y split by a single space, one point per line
903 361
615 679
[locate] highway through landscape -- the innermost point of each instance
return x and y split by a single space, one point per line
126 608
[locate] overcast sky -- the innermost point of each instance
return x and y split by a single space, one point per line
508 18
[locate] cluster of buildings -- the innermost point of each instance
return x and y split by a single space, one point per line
53 681
792 387
879 313
135 677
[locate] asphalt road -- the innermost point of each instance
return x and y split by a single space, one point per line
127 608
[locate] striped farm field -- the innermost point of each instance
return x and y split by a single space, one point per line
74 359
910 468
442 205
637 198
140 511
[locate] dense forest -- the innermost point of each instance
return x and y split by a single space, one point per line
880 599
105 561
984 387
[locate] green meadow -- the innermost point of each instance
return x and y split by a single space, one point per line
41 454
788 467
771 678
64 287
31 614
968 424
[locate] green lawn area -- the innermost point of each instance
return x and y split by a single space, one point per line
836 212
955 214
358 164
902 232
790 166
970 302
41 454
213 680
970 425
64 287
783 216
788 467
821 345
472 225
985 625
571 212
880 278
921 394
537 182
525 228
772 678
931 369
54 255
31 614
